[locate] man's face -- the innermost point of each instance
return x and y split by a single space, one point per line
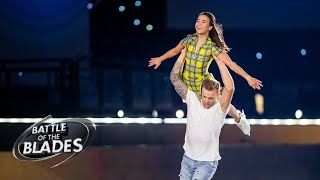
209 98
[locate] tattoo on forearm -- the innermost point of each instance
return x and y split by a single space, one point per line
175 77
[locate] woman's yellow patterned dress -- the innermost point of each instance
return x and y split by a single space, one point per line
197 63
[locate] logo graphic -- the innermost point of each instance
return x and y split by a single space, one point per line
47 139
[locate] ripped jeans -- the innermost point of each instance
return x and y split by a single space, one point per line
197 170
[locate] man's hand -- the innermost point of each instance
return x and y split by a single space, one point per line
254 83
156 62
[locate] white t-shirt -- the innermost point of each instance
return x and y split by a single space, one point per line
203 129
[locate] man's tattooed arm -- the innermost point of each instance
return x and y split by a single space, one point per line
175 77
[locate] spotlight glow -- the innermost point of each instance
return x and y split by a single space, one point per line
136 22
259 55
90 5
120 113
298 114
155 113
149 27
179 114
137 3
122 8
259 101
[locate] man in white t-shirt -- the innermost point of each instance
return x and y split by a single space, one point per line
205 119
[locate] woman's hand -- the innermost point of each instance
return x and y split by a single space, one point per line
154 62
255 83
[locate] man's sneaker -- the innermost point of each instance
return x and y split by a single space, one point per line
244 124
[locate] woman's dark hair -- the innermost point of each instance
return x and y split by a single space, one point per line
216 33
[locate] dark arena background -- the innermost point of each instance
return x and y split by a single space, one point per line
89 59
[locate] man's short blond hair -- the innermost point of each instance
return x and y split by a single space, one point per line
211 84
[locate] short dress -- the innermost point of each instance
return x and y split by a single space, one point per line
197 63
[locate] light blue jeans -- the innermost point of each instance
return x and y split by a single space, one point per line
197 170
